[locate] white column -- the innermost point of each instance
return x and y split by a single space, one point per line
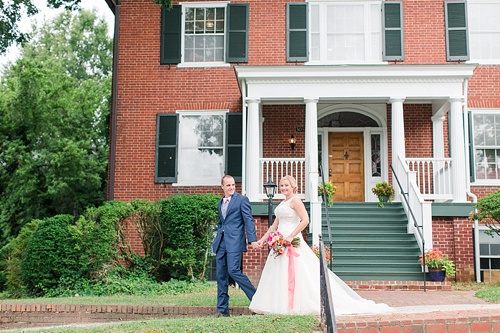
457 146
252 155
311 155
438 136
397 136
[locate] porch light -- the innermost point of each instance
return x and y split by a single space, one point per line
270 192
292 141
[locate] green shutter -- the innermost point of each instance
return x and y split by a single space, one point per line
457 48
393 31
166 148
170 48
296 32
237 33
234 151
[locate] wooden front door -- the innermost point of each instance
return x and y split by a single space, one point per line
345 162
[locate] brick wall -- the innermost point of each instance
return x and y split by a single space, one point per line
424 35
454 237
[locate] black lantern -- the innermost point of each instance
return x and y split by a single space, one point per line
292 142
270 192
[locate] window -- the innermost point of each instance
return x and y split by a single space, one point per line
198 147
484 30
489 254
486 134
204 34
201 148
376 161
208 33
346 32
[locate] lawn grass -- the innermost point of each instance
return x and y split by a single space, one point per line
201 298
487 291
240 324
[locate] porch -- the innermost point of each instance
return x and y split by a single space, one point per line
432 176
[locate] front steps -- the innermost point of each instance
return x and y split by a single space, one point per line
371 243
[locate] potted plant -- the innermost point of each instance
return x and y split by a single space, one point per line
384 191
438 264
329 190
328 255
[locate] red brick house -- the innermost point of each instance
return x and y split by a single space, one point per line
215 87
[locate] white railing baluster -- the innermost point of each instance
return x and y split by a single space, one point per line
433 177
276 168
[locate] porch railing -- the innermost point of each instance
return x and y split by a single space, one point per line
414 201
276 168
433 177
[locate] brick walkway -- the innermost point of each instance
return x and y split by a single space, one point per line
432 311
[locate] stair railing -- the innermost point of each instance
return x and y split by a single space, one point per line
325 201
418 227
327 310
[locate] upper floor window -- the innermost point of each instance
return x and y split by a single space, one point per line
486 134
204 33
345 32
484 30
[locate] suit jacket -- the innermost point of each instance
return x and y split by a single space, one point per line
238 226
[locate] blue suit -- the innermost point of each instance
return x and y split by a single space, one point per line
233 233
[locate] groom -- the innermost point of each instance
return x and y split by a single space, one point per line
235 220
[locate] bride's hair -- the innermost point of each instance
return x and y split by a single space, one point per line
292 181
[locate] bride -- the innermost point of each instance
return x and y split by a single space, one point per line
295 288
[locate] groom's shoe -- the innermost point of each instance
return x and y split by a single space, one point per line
220 314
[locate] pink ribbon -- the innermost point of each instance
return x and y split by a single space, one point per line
291 275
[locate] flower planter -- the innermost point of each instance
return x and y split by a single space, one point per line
436 274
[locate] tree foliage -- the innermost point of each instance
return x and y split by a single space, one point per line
11 13
488 212
54 106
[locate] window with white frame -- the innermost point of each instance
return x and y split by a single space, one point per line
484 30
345 32
201 147
489 253
204 33
486 135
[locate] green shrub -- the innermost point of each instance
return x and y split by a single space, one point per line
10 260
488 211
148 222
59 257
188 222
49 255
97 238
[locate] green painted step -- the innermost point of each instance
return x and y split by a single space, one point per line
371 243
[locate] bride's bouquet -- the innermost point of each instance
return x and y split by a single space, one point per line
277 243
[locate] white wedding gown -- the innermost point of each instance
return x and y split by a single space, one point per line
272 296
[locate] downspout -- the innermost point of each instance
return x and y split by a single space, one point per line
477 267
114 95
